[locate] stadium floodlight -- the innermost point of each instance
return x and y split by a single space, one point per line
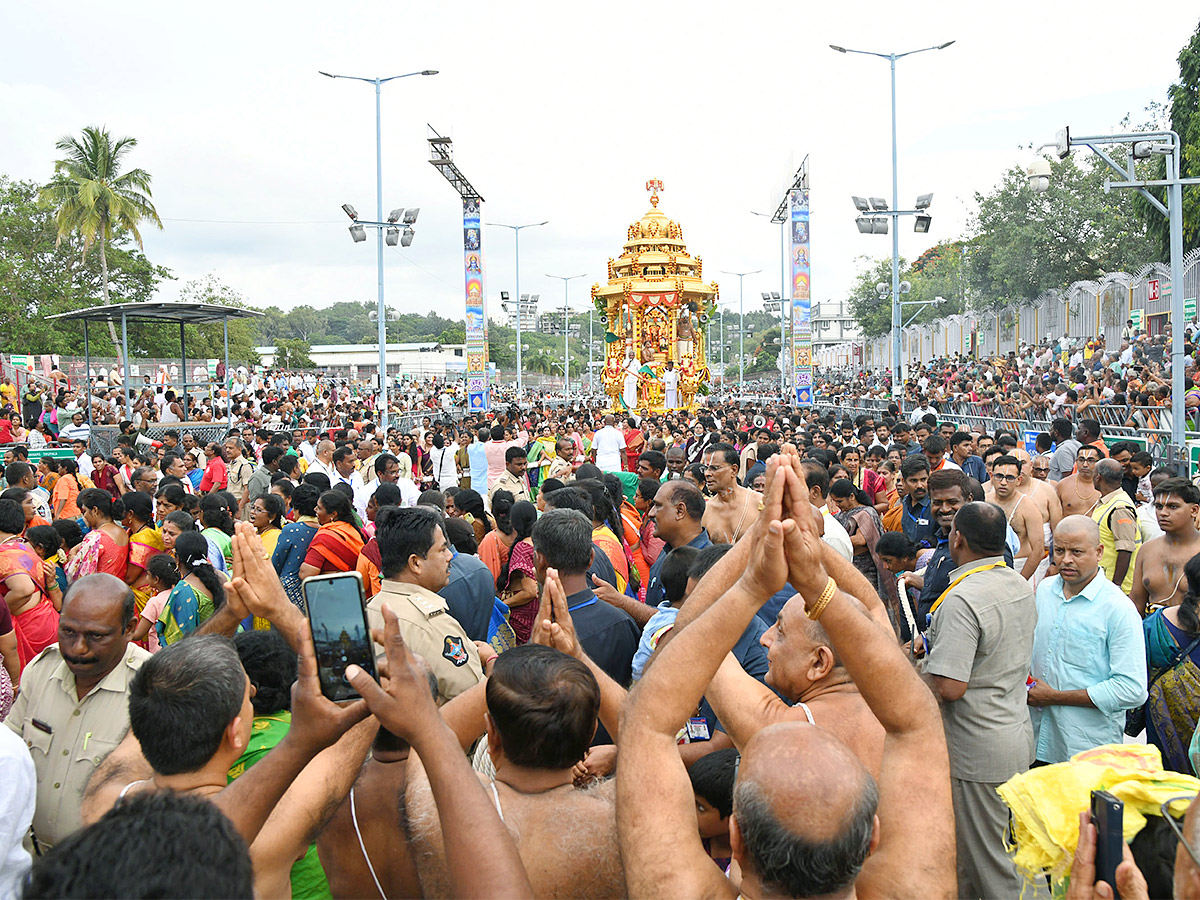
924 201
358 233
861 204
410 215
392 238
350 211
864 224
921 224
878 203
879 225
406 238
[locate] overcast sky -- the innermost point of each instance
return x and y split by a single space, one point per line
559 112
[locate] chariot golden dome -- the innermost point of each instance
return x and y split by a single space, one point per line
655 309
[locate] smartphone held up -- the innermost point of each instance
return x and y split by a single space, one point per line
341 634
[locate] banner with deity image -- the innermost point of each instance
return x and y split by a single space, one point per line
801 299
477 367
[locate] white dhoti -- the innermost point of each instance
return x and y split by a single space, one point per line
670 380
629 394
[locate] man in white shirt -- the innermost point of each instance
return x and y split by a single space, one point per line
322 461
308 447
609 444
670 380
344 467
82 458
77 430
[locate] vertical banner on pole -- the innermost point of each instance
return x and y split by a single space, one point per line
477 367
801 299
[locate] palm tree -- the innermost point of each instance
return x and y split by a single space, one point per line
92 197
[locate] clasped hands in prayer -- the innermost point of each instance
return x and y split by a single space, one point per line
785 540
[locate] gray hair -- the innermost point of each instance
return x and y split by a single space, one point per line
564 537
1110 471
792 865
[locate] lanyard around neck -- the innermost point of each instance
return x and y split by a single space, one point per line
955 582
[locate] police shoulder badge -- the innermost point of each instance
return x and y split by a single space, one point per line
455 651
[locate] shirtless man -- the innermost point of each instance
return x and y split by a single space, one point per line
565 835
1158 570
1045 499
800 790
1022 514
732 508
1077 492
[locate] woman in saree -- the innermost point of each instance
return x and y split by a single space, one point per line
337 543
496 544
370 561
266 515
1173 659
862 523
517 585
294 540
23 587
104 475
191 461
105 548
635 444
145 542
199 592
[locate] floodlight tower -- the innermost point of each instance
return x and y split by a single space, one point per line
441 157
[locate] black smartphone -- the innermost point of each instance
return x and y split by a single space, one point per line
1107 815
340 632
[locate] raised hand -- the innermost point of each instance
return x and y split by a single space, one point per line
317 722
767 567
802 544
606 592
554 627
406 705
256 582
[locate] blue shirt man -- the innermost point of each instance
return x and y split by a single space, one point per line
477 456
1089 655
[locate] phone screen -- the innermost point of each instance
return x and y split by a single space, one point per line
340 632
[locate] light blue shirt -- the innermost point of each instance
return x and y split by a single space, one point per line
1091 642
479 467
661 621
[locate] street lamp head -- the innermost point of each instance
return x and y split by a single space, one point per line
944 46
435 71
924 201
861 204
358 233
837 48
326 74
879 203
350 211
905 287
881 288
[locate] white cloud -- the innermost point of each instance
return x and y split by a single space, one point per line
557 112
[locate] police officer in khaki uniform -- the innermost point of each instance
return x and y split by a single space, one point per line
73 707
416 565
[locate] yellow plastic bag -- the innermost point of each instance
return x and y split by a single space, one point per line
1045 802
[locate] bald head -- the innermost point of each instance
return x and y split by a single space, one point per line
1109 473
1083 528
325 448
804 811
94 627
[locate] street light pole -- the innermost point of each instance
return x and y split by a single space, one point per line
382 337
891 58
566 279
516 230
741 324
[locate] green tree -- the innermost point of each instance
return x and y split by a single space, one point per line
93 199
1183 107
1023 242
873 314
291 353
41 276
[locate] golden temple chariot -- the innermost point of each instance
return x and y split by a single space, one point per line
655 308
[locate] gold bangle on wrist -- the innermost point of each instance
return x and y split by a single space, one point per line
823 600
